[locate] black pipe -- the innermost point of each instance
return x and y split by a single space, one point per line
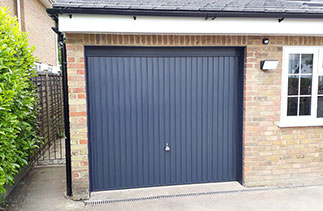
181 13
66 111
66 119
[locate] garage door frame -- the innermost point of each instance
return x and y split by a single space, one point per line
158 50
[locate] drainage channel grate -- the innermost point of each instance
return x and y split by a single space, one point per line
101 202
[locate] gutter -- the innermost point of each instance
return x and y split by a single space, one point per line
181 13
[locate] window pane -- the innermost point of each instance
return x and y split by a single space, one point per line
305 106
307 63
320 107
292 106
293 85
293 63
320 91
306 85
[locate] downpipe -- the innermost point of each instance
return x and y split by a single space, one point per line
19 14
66 111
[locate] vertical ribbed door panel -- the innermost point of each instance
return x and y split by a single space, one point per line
142 99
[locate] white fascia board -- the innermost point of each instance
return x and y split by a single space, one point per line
83 23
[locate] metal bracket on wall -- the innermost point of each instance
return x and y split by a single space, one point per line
281 19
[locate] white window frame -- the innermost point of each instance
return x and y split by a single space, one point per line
301 121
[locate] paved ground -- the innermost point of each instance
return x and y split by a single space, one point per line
44 188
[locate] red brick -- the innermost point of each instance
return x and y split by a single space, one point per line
76 65
71 59
83 141
76 78
81 96
82 72
77 113
77 90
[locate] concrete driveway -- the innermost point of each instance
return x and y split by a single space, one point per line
43 189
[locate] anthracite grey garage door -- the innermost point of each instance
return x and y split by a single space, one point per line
164 116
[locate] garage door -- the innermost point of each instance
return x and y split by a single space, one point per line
163 116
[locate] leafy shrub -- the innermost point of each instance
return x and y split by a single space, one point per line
18 124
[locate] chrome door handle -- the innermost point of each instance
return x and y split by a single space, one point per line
167 148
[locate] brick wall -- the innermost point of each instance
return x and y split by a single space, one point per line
272 155
38 24
11 6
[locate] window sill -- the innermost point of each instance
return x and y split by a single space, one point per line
300 124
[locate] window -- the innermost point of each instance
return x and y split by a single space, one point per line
302 87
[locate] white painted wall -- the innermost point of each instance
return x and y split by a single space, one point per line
88 23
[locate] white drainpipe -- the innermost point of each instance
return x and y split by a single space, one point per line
19 13
46 3
56 52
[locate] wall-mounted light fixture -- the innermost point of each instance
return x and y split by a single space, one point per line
269 64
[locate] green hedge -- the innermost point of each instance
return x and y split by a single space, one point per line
18 124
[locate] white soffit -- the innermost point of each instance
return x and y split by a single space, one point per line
83 23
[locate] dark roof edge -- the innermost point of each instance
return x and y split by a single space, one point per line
181 13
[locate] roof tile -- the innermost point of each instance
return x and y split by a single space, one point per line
303 6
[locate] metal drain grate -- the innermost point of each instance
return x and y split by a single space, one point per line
101 202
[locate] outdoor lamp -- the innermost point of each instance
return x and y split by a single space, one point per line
268 64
